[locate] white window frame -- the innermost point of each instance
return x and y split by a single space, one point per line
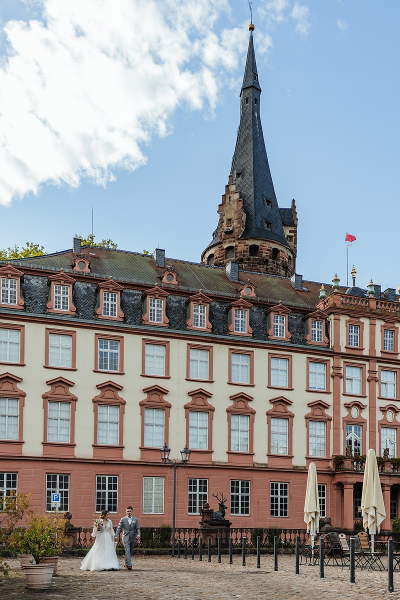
317 376
317 438
57 483
279 499
110 304
12 347
60 344
200 316
9 290
354 375
152 496
388 440
107 493
156 310
240 497
154 430
199 364
388 383
316 331
279 326
388 340
279 436
153 365
108 354
354 336
322 499
197 495
108 424
58 421
240 433
61 297
8 487
198 430
240 368
279 372
240 320
354 438
9 419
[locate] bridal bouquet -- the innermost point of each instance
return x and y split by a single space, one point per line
98 524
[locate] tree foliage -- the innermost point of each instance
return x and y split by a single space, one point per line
30 249
14 509
106 243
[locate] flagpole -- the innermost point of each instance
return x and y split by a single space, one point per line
347 257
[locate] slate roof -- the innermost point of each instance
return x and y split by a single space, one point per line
287 216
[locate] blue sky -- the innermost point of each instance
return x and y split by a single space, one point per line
136 111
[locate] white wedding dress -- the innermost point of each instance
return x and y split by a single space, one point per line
102 555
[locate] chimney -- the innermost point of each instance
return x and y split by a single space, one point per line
77 245
390 294
377 291
159 257
297 281
232 271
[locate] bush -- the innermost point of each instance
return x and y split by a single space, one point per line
272 532
396 525
254 535
358 526
165 536
15 508
43 535
146 537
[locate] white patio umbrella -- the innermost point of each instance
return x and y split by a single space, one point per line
372 505
311 505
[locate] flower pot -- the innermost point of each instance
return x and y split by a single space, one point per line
38 577
26 559
50 560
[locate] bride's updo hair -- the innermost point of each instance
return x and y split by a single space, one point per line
103 514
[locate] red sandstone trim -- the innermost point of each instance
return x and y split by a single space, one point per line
349 420
249 353
203 300
76 265
392 424
243 290
158 293
210 350
280 410
397 385
317 413
72 334
109 395
21 329
360 348
10 272
9 389
61 279
327 377
390 327
317 315
280 310
288 357
239 305
59 392
167 358
240 406
154 399
361 366
171 272
372 380
114 338
110 286
199 403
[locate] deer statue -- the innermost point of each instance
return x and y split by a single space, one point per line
220 514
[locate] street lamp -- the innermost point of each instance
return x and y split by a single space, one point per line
185 455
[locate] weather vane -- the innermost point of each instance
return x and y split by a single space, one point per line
251 11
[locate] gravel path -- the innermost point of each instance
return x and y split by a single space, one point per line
164 578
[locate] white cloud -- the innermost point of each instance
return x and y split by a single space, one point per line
300 14
342 25
274 10
83 90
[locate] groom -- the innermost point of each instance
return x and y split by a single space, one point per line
131 532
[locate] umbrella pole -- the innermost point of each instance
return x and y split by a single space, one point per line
372 543
312 549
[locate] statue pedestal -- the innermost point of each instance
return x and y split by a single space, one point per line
211 528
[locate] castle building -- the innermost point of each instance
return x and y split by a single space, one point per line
107 355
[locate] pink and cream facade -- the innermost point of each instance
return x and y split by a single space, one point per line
97 372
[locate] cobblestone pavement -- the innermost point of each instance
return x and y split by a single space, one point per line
164 578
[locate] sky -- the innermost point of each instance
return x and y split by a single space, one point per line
132 108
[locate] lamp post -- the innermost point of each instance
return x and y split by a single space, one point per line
185 455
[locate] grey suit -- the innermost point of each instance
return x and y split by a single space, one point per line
130 531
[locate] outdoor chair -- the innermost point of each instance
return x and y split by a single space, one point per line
345 548
333 550
306 550
366 558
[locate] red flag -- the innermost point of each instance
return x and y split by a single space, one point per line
350 238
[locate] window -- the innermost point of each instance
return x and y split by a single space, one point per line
60 350
108 425
357 496
108 355
388 340
388 440
316 331
240 497
317 438
388 384
279 326
229 252
317 376
198 363
154 363
61 297
156 310
240 368
154 425
322 500
197 495
8 487
9 289
353 380
199 316
354 335
107 493
240 323
393 503
279 372
279 499
279 436
354 439
198 430
240 431
9 419
153 495
10 345
57 484
110 304
59 422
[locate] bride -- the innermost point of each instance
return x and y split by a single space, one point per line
102 555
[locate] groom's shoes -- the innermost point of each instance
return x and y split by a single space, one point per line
129 568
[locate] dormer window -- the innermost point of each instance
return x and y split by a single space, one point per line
278 323
267 224
169 277
199 316
110 300
247 100
10 285
61 294
240 318
255 76
247 290
279 326
156 310
255 100
81 265
267 202
154 307
198 312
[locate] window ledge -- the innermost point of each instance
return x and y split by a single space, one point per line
2 441
107 446
275 387
318 391
60 368
155 376
236 453
112 372
241 384
199 450
355 395
386 398
281 455
203 380
60 444
13 364
355 348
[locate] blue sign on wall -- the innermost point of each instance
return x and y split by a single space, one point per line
55 498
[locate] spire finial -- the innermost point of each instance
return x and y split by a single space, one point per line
251 26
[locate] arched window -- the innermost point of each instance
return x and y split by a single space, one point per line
253 250
210 260
230 252
275 254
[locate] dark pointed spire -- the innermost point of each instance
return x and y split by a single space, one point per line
250 167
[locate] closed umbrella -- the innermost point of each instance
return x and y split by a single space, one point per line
372 505
311 505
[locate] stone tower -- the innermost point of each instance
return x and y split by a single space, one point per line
252 230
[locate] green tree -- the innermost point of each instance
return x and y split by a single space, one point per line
30 249
89 241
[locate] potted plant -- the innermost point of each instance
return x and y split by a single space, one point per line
44 538
13 510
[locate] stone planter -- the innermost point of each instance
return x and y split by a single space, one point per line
50 560
38 577
26 559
